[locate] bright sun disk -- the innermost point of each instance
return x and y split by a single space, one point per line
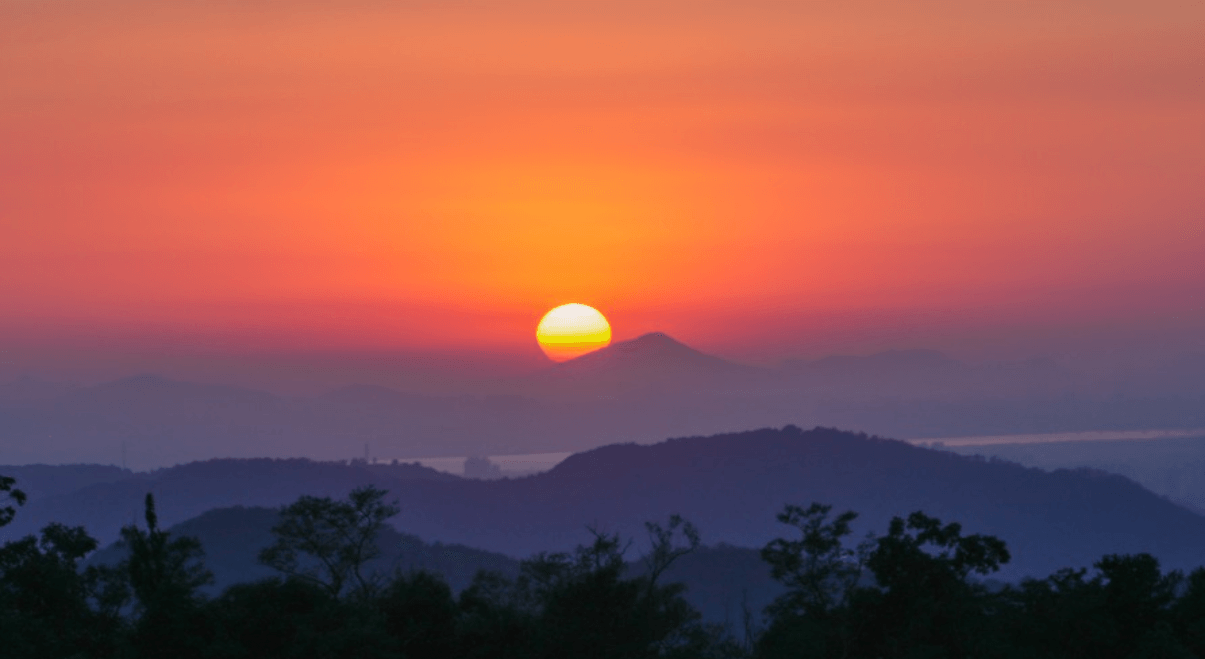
572 330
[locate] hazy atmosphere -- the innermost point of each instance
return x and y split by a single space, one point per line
573 329
235 191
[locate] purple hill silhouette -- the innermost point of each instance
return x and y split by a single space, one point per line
730 485
651 362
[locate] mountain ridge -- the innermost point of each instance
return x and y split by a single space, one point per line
730 485
650 364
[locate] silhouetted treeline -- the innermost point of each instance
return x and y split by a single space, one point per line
916 590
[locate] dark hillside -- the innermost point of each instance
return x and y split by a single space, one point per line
733 485
730 485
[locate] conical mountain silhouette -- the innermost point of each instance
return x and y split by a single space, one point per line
652 351
651 361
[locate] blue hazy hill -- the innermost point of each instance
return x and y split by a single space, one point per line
731 486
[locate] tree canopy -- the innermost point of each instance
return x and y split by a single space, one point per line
328 543
919 589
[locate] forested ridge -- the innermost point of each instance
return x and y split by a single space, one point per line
914 589
732 485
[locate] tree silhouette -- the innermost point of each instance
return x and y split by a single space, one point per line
420 614
165 574
1136 592
1188 613
820 573
818 569
163 570
921 604
327 542
586 606
1129 608
924 602
11 494
295 619
45 599
913 592
495 621
664 550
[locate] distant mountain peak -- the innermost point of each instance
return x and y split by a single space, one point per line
646 349
650 359
652 341
656 337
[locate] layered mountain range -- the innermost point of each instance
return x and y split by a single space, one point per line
640 390
731 486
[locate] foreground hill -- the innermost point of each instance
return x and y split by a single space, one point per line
730 485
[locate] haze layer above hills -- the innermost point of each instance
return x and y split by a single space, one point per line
731 486
640 390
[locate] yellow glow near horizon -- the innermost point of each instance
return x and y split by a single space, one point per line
572 330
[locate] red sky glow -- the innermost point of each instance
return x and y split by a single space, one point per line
764 179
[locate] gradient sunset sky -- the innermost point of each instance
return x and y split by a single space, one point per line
758 179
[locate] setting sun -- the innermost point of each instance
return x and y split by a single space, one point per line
572 330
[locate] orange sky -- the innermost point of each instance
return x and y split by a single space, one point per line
757 177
